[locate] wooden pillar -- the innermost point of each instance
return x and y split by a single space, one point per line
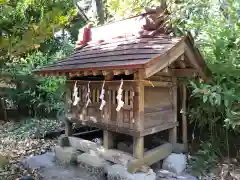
138 110
3 106
184 118
173 131
138 101
173 135
68 128
138 147
68 124
107 139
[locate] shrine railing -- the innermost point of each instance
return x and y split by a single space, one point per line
108 102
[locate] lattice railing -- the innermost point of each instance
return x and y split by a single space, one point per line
109 114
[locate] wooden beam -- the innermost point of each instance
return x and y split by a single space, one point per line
87 73
160 78
157 84
117 72
105 72
95 73
150 157
184 117
189 72
128 72
164 60
159 128
108 75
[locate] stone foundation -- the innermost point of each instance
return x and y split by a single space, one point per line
118 172
92 164
66 155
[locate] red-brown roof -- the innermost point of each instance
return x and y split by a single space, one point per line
140 42
128 52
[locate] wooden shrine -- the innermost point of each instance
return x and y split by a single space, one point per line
123 80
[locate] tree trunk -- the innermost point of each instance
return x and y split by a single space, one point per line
99 10
163 4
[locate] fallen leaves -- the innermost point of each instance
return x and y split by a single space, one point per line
17 142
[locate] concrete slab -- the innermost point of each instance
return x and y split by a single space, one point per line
50 170
118 172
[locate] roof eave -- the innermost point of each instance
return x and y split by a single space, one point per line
64 72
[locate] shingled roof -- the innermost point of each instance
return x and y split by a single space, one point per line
117 48
120 53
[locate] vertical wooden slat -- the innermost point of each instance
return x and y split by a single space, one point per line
184 118
94 95
131 110
126 97
113 97
173 131
97 95
107 107
84 109
109 104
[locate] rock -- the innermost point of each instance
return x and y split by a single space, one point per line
4 161
66 155
15 168
26 178
167 175
118 172
92 164
36 162
63 141
186 177
91 159
175 163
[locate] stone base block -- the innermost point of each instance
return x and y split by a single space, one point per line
175 163
118 172
66 155
63 141
92 164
